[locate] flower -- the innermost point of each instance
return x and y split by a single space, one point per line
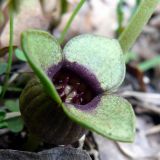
85 74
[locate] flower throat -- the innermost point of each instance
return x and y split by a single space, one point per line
72 88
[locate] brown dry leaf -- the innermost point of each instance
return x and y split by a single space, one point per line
52 9
108 150
30 16
97 17
49 5
142 148
138 75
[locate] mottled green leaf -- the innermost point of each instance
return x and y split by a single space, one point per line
2 115
12 105
20 55
103 57
3 67
42 51
113 118
15 124
0 89
3 124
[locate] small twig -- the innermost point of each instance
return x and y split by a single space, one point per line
153 98
149 101
124 152
81 141
94 153
12 115
153 130
3 131
150 107
132 156
147 107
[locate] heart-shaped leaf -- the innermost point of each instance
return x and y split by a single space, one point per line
113 117
15 124
12 105
20 55
2 115
3 67
3 124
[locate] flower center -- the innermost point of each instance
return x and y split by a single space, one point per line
72 88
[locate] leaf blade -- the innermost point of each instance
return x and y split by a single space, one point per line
12 105
3 68
41 58
20 55
113 118
15 124
102 57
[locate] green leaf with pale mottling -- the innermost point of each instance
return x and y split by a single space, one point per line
42 51
15 124
12 105
3 67
3 124
101 56
0 89
2 115
113 118
20 55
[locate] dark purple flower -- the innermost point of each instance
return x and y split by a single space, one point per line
85 74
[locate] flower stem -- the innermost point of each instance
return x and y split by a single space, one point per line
64 32
11 15
141 17
32 143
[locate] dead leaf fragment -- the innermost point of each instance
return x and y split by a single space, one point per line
30 16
